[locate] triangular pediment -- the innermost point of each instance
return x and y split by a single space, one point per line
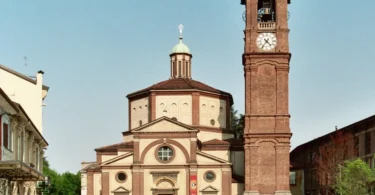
204 158
164 124
121 189
120 160
209 189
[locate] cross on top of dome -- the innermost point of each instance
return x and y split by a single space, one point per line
180 27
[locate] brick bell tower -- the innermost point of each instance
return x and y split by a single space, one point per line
266 66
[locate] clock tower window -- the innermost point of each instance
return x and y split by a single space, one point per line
266 11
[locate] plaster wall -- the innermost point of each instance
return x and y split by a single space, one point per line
83 184
219 154
127 138
125 161
206 136
97 183
114 184
139 112
202 183
29 95
107 157
178 106
212 112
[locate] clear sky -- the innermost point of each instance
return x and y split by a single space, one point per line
95 52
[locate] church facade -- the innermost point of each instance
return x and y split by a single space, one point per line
179 139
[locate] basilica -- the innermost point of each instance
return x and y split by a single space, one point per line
179 139
178 142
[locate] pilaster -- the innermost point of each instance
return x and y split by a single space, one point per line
90 183
105 183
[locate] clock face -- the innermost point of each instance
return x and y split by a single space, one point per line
266 41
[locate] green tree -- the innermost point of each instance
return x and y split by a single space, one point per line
62 184
354 178
237 122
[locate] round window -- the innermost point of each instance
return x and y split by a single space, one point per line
209 176
165 154
121 177
212 122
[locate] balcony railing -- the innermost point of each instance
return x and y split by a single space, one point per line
266 25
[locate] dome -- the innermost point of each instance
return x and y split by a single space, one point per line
180 48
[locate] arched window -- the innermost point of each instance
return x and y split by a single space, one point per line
174 72
187 69
179 68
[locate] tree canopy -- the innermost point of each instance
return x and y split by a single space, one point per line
355 178
62 184
237 122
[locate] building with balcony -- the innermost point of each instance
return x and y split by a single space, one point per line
21 140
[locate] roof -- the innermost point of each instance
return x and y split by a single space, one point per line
180 48
22 76
180 84
114 147
348 128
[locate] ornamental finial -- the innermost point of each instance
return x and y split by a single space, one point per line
180 27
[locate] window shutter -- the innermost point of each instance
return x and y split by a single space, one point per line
6 135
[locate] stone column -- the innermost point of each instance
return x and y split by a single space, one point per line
31 149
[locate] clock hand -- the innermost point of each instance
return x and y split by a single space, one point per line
266 40
263 44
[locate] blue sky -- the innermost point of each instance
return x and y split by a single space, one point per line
95 52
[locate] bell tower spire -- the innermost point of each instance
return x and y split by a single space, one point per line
180 59
266 65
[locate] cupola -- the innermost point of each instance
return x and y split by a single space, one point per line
180 59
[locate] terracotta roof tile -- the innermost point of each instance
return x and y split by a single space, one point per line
116 146
180 84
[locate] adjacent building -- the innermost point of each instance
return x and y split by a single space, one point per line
21 140
302 157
